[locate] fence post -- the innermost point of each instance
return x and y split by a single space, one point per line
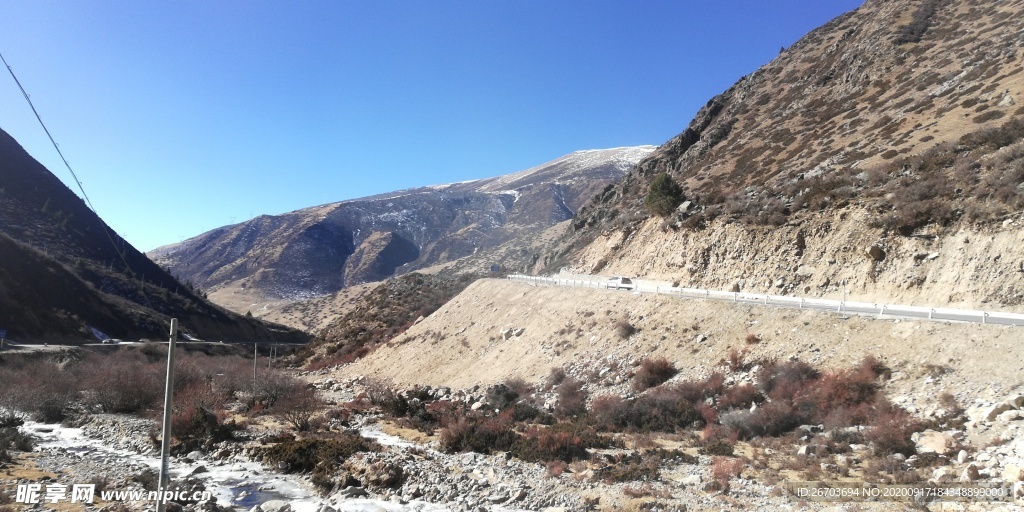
931 312
801 303
983 315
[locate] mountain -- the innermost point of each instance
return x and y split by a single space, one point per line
882 149
64 271
320 250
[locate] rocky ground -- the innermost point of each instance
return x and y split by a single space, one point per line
985 447
988 446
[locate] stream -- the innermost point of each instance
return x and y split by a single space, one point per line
235 483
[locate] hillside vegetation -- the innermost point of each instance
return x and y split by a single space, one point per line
862 152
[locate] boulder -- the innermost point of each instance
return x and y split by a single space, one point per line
961 457
970 473
812 450
691 480
875 253
1010 415
352 492
993 412
943 474
498 498
1017 401
931 441
275 506
1013 473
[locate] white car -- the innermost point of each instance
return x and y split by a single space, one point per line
620 283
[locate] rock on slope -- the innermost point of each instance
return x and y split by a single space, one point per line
320 250
897 125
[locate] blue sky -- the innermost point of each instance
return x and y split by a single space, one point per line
180 117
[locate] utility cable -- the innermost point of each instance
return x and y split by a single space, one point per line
88 202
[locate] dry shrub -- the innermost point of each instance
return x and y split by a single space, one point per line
555 468
624 329
783 379
572 398
555 377
519 385
736 360
320 456
653 372
501 396
11 438
382 393
481 435
724 468
740 397
716 440
752 339
562 441
890 433
122 382
630 468
42 389
299 408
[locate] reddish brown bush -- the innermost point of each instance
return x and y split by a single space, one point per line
724 468
653 372
481 435
890 433
572 398
122 382
546 444
736 360
784 380
739 397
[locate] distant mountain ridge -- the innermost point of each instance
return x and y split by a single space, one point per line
320 250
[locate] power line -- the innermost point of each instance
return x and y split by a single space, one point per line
88 202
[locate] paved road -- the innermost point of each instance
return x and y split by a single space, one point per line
839 307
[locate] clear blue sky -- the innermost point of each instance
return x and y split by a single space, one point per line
180 117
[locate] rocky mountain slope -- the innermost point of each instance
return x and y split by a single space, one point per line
320 250
881 148
63 270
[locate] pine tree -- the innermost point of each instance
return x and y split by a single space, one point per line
664 195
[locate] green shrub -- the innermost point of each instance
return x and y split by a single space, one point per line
664 195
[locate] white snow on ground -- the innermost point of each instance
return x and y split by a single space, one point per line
233 480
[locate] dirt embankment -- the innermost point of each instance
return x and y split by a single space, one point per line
498 329
971 267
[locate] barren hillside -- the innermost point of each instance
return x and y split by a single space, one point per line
896 125
498 329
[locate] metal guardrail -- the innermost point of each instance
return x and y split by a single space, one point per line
836 306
